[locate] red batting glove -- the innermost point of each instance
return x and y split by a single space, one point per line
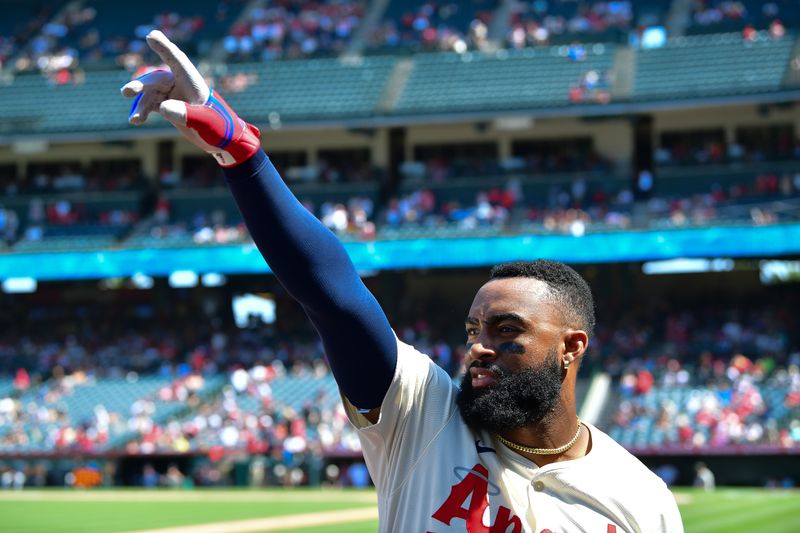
214 127
182 96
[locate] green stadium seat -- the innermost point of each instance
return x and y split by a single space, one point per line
712 65
449 82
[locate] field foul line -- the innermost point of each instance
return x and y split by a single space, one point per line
261 525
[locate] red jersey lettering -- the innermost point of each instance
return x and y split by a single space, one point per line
505 519
474 487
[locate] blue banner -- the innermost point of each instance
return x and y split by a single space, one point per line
757 242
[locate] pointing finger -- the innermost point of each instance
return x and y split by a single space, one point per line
181 66
132 88
161 81
168 52
174 111
143 105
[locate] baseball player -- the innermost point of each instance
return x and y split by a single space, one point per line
502 453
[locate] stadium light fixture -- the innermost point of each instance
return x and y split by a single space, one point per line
183 279
654 37
777 271
19 285
515 123
687 266
142 281
251 308
213 279
30 146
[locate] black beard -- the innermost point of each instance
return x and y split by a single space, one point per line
515 400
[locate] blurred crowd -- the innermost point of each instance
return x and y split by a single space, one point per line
737 366
714 403
293 29
202 227
579 205
685 376
692 152
567 205
100 176
436 26
81 34
48 403
59 218
59 43
726 13
715 377
245 416
537 22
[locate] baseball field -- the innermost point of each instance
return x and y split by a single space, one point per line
320 511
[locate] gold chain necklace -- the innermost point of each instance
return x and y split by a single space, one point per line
542 451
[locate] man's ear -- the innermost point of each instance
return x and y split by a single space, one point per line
575 343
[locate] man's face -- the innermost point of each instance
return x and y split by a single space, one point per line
513 358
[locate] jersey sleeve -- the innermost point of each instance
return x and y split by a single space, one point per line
313 266
419 403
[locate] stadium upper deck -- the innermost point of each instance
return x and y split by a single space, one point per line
66 41
63 35
602 79
474 175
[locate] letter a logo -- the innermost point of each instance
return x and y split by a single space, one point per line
474 484
474 488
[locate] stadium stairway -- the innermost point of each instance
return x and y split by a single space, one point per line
359 40
605 415
792 76
623 73
679 17
593 395
218 54
396 85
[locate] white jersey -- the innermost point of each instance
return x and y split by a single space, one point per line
434 474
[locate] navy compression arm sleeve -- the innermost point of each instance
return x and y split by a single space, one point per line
313 266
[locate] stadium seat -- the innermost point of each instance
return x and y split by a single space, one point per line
712 65
441 83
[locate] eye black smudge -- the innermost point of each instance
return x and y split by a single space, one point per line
512 347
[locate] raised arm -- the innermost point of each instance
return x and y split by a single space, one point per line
314 267
306 257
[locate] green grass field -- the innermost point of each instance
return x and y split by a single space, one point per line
726 510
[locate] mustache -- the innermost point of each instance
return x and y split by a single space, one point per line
487 365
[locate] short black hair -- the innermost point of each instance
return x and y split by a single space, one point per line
567 287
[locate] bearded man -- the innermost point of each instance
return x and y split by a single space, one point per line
505 452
